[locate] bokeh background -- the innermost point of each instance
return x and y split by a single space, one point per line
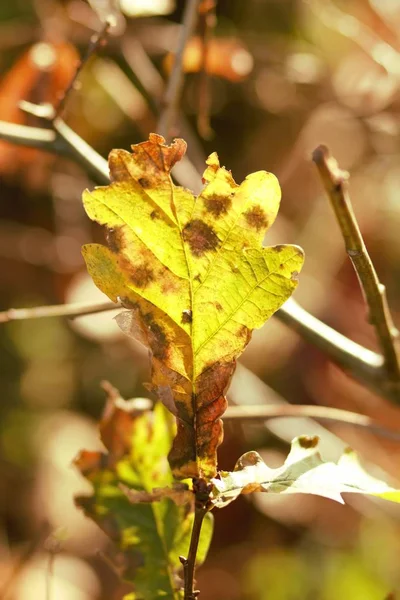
284 76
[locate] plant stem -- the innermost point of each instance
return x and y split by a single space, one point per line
201 492
173 92
189 563
335 183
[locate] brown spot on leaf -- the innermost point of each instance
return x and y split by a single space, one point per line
256 218
169 285
142 275
114 240
244 333
144 182
218 306
200 237
218 205
187 316
277 248
157 338
308 442
154 215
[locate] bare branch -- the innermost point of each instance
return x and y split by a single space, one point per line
361 363
32 137
335 183
59 140
207 22
260 412
81 152
96 41
173 92
57 310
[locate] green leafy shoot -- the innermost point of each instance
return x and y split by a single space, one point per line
150 535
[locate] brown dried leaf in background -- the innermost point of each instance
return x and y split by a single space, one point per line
40 75
227 58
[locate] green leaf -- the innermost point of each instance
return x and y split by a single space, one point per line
152 535
304 472
195 277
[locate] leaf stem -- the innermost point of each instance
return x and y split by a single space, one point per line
170 102
335 183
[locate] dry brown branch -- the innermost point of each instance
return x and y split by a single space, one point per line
335 183
96 41
206 25
173 92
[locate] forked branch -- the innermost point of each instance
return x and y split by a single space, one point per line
335 183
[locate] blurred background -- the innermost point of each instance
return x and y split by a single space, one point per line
282 77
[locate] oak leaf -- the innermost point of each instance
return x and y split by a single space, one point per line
195 277
304 472
149 535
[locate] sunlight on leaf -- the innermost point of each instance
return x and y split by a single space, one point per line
304 472
195 277
150 535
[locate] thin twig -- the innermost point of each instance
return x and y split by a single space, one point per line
95 42
202 505
335 183
60 140
261 412
173 92
206 25
58 310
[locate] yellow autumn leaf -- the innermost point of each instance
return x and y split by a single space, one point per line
195 278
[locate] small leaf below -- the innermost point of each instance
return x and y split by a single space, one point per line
151 535
304 472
